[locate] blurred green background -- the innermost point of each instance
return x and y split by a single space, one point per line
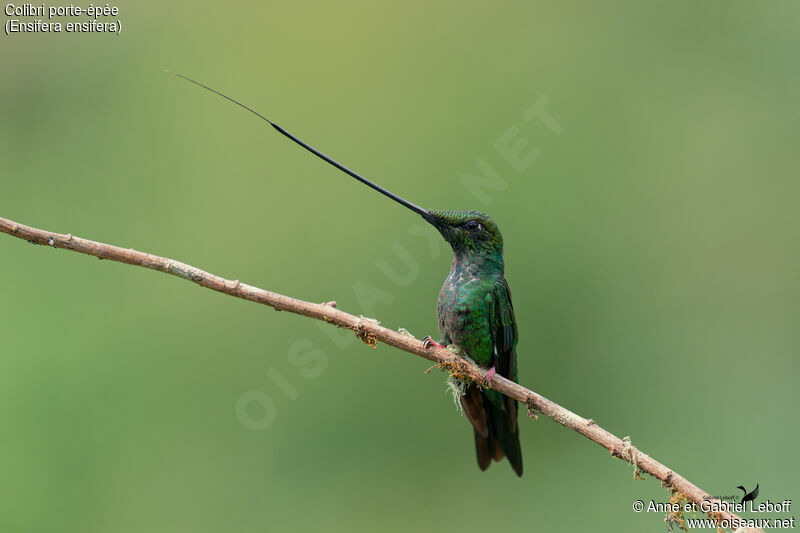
652 250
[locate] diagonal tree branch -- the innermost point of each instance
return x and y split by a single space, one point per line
371 332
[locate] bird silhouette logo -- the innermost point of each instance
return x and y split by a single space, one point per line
748 496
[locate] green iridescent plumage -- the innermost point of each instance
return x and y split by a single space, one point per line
475 312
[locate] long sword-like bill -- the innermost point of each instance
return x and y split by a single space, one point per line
417 209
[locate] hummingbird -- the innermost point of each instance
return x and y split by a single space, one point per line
474 311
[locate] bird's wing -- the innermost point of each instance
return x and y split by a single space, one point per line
754 494
504 340
504 330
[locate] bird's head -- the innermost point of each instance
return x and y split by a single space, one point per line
468 232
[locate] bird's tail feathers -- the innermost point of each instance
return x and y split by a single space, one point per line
495 428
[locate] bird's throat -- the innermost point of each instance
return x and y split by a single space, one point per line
476 263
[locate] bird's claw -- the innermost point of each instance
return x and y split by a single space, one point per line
428 341
487 379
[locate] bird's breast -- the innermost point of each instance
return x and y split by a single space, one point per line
462 312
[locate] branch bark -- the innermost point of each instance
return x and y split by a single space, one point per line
371 332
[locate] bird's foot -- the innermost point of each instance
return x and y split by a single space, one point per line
427 342
487 379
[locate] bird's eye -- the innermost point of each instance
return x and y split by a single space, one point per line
472 225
